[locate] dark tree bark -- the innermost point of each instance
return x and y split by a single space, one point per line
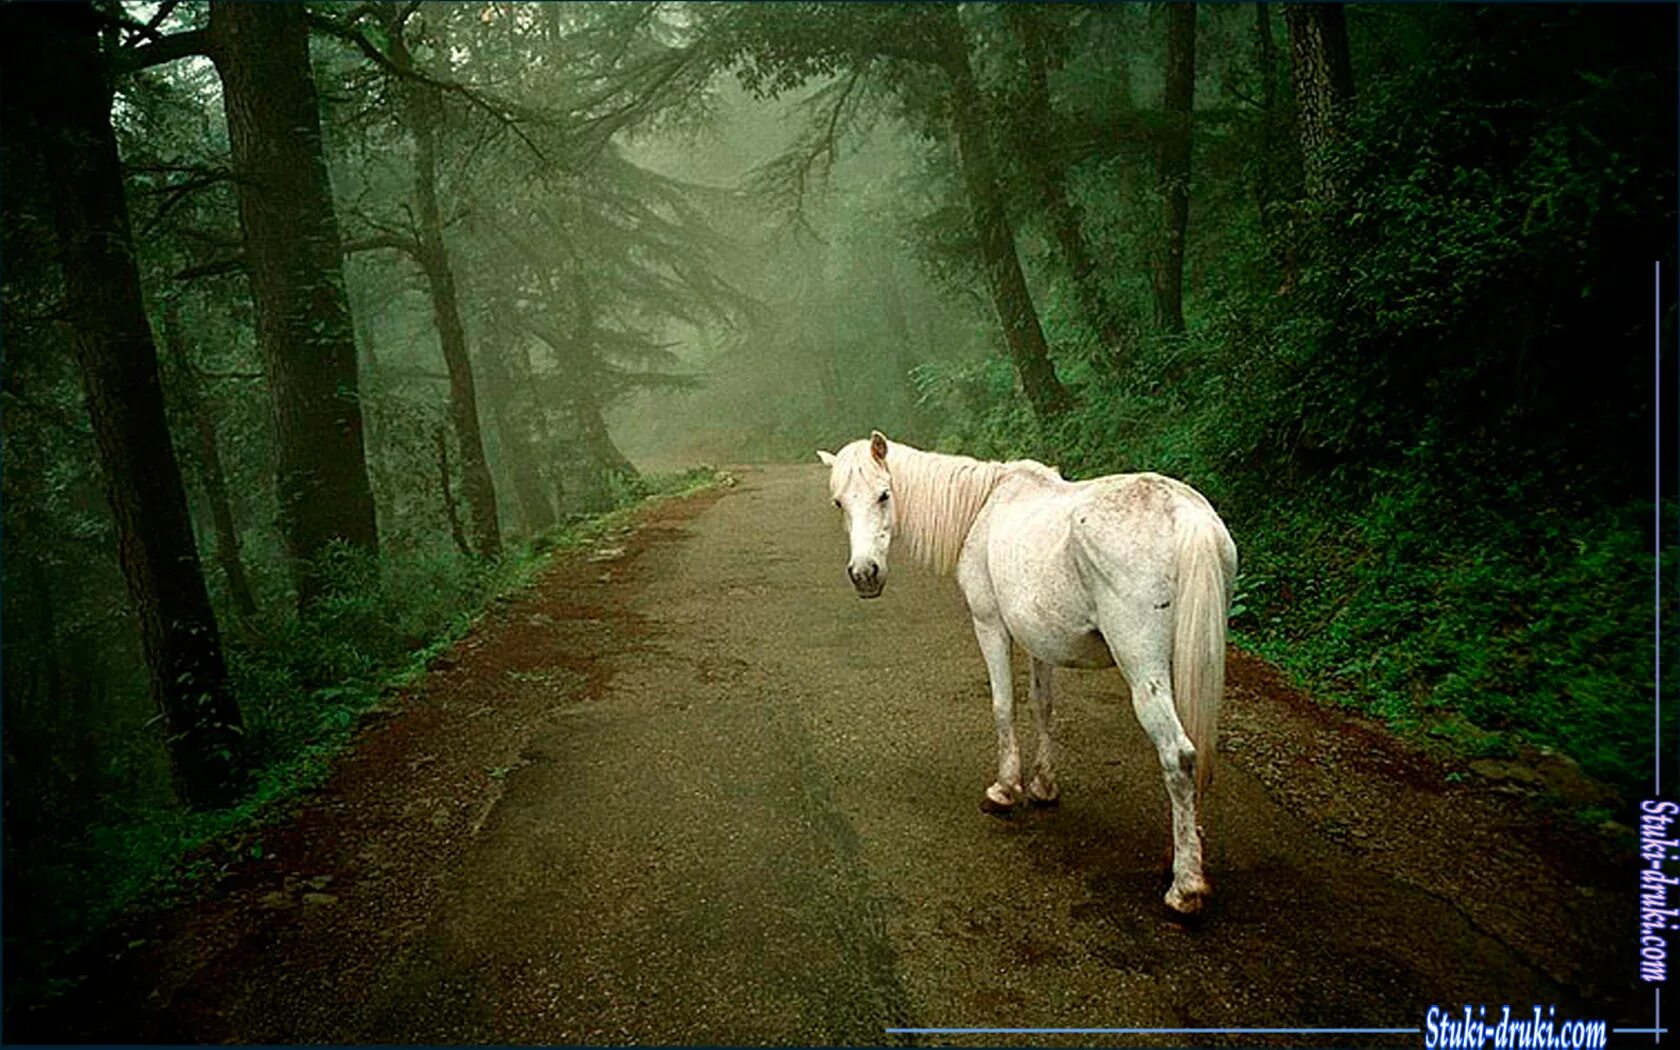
588 386
52 667
518 455
597 439
292 253
450 511
1322 76
211 474
1035 122
998 258
58 106
423 113
1172 165
1269 200
365 343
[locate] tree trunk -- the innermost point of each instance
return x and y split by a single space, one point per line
1172 166
518 456
548 454
297 281
1269 202
592 428
1322 74
589 383
1002 266
362 329
45 606
451 513
210 463
423 112
58 106
1050 180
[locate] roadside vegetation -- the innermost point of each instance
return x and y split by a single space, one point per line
303 684
1425 405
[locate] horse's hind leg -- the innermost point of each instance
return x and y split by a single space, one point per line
1042 789
1150 676
994 646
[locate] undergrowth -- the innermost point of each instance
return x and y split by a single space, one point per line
1473 613
1424 405
302 685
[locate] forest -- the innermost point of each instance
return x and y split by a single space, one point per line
325 324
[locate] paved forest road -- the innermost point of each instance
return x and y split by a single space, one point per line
691 789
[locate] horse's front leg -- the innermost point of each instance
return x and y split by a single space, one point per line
994 646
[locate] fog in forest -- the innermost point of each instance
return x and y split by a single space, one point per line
326 325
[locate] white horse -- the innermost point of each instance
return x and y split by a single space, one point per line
1129 569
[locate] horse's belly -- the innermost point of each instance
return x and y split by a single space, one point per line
1079 648
1053 620
1033 581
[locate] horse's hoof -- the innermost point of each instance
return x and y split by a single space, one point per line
1041 794
997 801
1188 907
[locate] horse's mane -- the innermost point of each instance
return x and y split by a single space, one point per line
938 497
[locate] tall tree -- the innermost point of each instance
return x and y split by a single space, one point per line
292 250
1322 74
1172 165
58 101
1035 127
211 473
872 48
519 455
1267 177
422 111
994 235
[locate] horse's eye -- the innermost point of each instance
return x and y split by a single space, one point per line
836 503
883 498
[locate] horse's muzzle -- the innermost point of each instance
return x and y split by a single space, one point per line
868 579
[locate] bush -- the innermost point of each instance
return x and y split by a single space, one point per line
302 682
1440 496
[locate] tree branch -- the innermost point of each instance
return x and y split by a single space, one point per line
165 49
502 113
163 12
212 269
396 241
237 263
179 192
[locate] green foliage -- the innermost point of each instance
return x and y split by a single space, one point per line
1434 450
302 684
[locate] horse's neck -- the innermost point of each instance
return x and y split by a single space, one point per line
938 497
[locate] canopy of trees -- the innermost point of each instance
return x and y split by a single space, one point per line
317 317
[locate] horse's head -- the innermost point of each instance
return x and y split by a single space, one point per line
862 488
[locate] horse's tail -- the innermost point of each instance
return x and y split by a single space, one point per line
1206 567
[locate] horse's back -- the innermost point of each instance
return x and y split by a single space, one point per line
1054 558
1136 522
1020 567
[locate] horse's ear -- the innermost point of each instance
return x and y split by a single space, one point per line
826 457
878 446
